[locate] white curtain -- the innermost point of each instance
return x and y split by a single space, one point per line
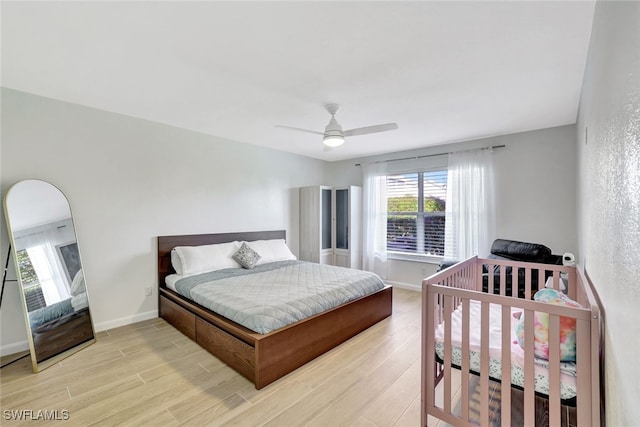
47 265
470 209
374 227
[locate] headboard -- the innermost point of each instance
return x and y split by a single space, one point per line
166 243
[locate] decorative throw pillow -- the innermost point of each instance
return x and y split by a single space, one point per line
541 327
246 257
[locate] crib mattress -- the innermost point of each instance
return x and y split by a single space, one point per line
567 369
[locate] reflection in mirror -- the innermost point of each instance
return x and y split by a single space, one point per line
50 271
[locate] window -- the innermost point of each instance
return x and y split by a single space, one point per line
27 273
31 285
416 212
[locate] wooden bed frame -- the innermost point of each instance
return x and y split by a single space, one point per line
261 358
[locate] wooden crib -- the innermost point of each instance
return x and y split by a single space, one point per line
462 366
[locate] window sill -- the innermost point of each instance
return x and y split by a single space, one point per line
402 256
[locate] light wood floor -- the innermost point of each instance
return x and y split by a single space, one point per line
150 374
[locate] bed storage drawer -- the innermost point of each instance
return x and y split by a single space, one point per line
232 351
179 317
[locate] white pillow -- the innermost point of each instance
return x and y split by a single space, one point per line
77 284
271 250
189 260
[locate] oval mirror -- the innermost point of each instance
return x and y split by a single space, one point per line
49 270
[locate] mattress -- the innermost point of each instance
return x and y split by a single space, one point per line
271 296
567 369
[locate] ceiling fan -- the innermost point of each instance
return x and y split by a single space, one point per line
333 135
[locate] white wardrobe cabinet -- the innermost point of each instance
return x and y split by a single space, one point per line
330 225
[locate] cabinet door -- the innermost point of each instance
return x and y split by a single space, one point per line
342 219
355 227
326 218
342 258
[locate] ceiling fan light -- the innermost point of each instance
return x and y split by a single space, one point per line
333 140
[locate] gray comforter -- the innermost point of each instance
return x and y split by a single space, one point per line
277 294
46 314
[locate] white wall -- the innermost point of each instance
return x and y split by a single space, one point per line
609 196
130 180
536 186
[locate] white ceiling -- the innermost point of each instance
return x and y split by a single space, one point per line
444 71
24 198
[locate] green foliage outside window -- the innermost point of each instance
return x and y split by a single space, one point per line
402 204
27 273
410 204
432 204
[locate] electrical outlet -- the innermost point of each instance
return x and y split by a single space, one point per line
147 290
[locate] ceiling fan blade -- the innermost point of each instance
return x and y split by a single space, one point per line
301 130
371 129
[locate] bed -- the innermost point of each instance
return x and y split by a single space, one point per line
547 344
62 333
60 326
260 357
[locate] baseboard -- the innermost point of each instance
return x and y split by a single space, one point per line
407 286
123 321
15 347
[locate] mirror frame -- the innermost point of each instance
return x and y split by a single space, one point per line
50 361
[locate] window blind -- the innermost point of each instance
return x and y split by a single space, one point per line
416 212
